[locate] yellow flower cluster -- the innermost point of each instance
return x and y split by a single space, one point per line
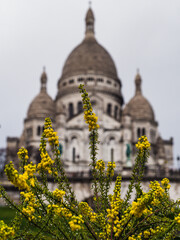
76 223
91 119
133 237
23 154
149 233
46 162
50 134
177 219
29 211
117 188
157 192
143 143
59 194
86 210
110 168
115 201
100 165
32 204
139 207
165 183
102 222
89 116
147 211
5 231
53 139
146 234
113 212
30 169
59 211
65 212
120 223
18 180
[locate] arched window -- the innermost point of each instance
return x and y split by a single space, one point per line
29 132
71 81
93 103
90 79
143 131
116 112
112 154
100 80
138 132
152 134
80 107
80 79
71 110
109 107
74 155
73 138
38 130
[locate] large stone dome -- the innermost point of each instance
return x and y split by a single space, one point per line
89 56
42 105
139 107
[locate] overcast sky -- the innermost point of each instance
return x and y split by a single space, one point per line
137 33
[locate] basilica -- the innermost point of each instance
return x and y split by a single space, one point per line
121 124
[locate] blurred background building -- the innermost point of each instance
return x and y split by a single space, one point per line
121 124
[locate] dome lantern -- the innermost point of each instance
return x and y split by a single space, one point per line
89 23
138 81
43 80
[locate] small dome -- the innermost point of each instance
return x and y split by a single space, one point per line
89 56
42 106
139 107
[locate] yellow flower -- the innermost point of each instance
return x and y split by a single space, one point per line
76 223
147 234
5 231
143 144
165 183
58 194
89 116
177 219
23 154
110 168
18 180
100 165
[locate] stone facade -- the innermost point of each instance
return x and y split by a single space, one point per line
120 126
83 189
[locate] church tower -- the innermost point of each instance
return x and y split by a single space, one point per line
89 63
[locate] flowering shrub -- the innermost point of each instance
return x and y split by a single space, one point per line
58 214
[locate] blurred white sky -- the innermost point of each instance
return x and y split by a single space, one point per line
137 34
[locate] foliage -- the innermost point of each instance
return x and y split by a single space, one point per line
58 214
7 214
